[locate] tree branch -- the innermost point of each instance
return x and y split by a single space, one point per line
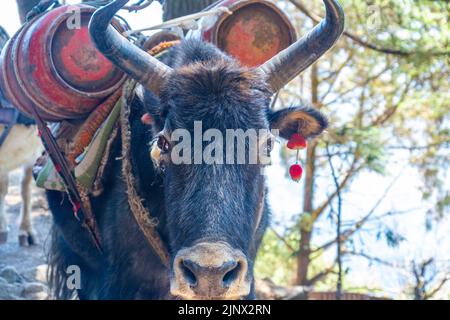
338 225
359 85
316 213
349 232
371 258
414 148
320 275
335 76
437 289
389 112
279 236
364 43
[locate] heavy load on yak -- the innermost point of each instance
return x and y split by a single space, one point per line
155 182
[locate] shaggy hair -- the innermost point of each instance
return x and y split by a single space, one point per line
191 202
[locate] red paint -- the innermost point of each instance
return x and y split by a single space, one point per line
255 32
296 172
55 69
73 53
296 142
147 119
241 42
76 207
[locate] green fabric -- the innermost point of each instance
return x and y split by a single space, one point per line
89 161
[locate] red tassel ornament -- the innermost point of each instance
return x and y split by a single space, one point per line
296 172
297 142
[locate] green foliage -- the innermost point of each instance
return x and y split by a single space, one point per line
408 25
275 260
368 145
392 238
381 103
386 94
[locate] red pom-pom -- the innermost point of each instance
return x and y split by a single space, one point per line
76 207
296 142
296 172
147 119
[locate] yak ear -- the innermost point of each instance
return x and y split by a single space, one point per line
153 112
307 121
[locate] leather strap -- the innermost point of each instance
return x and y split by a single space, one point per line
79 198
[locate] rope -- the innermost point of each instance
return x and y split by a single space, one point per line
146 222
187 22
163 46
140 5
144 219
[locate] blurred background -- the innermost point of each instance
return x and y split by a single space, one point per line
370 216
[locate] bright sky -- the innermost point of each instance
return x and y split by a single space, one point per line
150 16
285 198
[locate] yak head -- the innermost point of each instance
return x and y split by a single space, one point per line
213 134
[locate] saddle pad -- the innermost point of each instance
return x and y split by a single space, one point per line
88 162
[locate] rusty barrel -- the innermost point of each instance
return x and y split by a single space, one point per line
255 32
51 64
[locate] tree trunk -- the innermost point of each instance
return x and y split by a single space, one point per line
24 7
178 8
303 259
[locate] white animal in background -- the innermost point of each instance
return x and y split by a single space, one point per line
20 149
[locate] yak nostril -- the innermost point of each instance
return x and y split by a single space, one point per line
232 275
210 270
187 269
226 274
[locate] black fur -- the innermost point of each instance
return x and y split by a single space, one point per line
192 202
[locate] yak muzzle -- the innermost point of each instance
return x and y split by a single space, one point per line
210 271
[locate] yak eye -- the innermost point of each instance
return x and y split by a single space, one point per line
163 144
269 143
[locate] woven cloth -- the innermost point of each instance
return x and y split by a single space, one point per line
88 162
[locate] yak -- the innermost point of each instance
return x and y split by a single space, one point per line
211 217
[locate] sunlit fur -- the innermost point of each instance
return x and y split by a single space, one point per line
20 149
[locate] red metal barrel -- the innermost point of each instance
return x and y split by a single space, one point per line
255 32
51 63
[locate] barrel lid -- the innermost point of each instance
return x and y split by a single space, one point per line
78 62
255 32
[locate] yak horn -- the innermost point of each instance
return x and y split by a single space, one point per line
290 62
138 64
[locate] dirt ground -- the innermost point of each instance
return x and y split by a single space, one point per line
23 269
